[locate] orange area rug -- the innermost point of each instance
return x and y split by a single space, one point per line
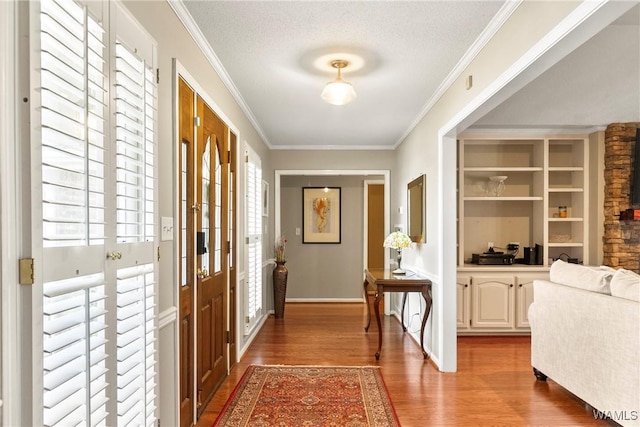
309 396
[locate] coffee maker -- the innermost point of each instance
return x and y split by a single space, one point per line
533 255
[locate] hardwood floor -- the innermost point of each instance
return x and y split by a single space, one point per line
494 385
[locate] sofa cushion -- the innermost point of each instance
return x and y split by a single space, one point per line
626 284
595 279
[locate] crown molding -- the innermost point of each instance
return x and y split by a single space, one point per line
333 147
201 41
540 131
487 34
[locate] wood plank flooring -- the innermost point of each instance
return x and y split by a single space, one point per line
494 385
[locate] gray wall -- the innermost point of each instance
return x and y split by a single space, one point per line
324 271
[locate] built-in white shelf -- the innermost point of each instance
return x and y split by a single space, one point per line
565 190
502 169
503 198
566 169
544 173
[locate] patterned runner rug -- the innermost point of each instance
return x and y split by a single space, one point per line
309 396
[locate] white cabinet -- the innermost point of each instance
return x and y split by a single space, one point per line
524 298
493 302
462 302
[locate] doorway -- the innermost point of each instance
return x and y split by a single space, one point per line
374 215
207 224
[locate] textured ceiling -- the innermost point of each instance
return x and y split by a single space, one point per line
597 84
277 54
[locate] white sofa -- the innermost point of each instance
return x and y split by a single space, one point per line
585 336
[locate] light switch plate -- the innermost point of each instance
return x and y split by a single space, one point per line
166 228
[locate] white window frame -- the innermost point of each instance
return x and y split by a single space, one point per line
253 279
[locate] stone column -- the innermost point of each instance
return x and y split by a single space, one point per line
621 238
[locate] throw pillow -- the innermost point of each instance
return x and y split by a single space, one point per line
578 276
626 284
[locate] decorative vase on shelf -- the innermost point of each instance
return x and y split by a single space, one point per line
497 185
280 274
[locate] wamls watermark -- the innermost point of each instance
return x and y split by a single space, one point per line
615 415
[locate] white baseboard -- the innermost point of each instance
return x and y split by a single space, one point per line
361 300
252 335
416 339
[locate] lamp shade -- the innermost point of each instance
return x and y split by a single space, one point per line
338 92
397 240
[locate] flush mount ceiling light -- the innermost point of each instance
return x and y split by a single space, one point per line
338 92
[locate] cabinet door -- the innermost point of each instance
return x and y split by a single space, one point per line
524 298
462 302
492 302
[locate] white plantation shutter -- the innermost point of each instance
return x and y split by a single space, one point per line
136 345
135 103
96 361
74 346
73 77
72 118
253 282
135 109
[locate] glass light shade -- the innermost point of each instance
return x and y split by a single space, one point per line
338 92
397 240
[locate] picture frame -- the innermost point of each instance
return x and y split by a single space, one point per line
265 198
321 214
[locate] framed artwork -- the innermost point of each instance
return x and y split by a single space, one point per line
321 214
265 198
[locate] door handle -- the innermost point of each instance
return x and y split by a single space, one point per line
202 273
114 255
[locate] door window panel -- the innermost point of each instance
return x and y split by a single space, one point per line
206 208
217 215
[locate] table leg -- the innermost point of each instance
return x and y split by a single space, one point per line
426 294
366 298
404 301
376 306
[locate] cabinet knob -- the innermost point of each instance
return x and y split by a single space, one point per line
511 285
466 286
520 285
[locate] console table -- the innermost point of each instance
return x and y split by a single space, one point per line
385 281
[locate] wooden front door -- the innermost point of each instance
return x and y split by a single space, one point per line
186 250
211 252
207 223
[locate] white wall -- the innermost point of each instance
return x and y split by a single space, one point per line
536 36
327 272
